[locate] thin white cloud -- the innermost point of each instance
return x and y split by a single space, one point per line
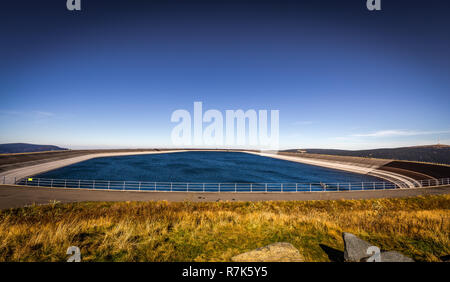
393 133
8 112
33 114
43 114
303 122
342 138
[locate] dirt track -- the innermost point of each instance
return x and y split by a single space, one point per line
18 196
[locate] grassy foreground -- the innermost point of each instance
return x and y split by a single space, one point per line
162 231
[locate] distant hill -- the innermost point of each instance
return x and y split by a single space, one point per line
430 153
24 147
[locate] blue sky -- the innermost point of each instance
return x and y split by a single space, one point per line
112 74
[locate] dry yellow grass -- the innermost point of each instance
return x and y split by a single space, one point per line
161 231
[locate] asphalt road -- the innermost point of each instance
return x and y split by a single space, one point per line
12 196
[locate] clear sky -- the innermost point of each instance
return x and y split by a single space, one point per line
112 74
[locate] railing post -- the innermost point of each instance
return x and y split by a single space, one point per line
123 188
374 186
187 187
155 186
235 187
203 187
65 183
93 184
171 188
384 185
350 187
39 181
219 187
109 185
266 187
51 183
362 185
296 187
251 187
338 186
79 183
281 187
310 188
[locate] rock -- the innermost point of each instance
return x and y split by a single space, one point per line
276 252
355 249
393 256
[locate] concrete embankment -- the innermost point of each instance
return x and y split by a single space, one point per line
10 176
417 170
349 164
16 166
18 160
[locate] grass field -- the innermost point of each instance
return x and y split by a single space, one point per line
166 231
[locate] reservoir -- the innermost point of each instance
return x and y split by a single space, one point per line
196 168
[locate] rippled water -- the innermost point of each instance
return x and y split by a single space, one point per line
209 167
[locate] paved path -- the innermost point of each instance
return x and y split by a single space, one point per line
18 196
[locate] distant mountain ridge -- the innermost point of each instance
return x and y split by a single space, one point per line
26 148
430 153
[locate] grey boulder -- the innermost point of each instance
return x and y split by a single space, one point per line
393 256
356 251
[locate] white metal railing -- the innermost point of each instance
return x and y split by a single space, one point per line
218 187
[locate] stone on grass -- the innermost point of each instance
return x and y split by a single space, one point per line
393 256
276 252
355 249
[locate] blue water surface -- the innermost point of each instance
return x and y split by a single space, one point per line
200 167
